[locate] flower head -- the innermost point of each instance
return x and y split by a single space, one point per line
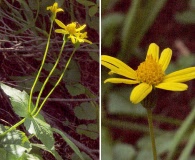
73 31
54 9
149 74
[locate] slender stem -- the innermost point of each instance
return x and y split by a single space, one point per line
12 127
149 114
60 78
46 80
39 72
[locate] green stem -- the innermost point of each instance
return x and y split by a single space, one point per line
50 73
39 72
60 78
12 127
149 114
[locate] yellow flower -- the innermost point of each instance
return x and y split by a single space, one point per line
73 31
149 74
54 9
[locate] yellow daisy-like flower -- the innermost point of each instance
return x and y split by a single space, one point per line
149 74
54 9
73 30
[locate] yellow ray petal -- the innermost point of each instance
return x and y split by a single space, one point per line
61 24
165 58
87 41
118 63
81 28
181 75
117 70
62 31
59 10
154 51
172 86
121 80
118 66
140 92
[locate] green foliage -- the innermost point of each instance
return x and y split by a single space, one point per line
19 100
92 9
26 82
123 151
90 130
75 89
76 157
163 142
118 103
70 143
111 26
38 147
14 144
34 125
85 111
73 74
41 130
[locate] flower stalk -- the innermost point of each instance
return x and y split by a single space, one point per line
60 78
40 69
152 137
13 127
50 73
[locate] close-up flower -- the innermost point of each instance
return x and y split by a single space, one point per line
54 9
73 31
150 74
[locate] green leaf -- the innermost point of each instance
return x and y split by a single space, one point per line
75 89
123 151
73 73
76 157
14 143
163 142
69 142
48 67
43 147
3 153
85 111
93 10
119 103
90 130
19 100
27 156
26 82
41 130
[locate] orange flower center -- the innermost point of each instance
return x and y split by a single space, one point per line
150 71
